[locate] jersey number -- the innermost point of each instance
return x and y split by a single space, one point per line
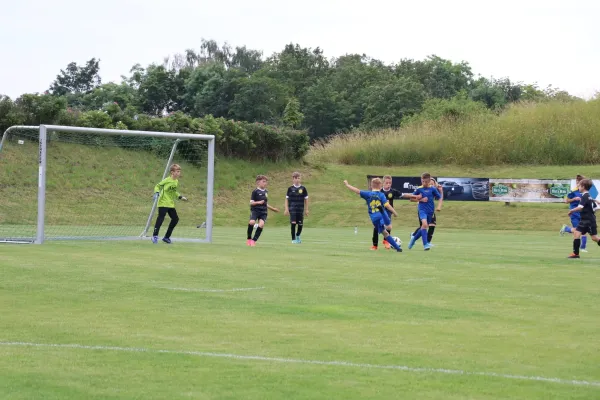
374 204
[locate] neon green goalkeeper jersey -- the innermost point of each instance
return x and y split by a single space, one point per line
168 192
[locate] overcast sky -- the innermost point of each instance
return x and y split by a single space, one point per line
544 41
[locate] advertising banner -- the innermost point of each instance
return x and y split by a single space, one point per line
529 190
593 191
465 189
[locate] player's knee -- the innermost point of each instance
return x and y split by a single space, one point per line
261 223
251 222
175 220
293 222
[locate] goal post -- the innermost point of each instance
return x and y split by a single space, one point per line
94 183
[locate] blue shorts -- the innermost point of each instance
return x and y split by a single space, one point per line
424 215
575 218
379 221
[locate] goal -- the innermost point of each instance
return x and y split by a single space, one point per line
66 183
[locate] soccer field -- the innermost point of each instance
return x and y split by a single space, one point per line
483 315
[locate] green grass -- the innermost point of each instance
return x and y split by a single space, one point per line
505 303
554 133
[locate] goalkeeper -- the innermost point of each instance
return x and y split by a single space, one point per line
166 192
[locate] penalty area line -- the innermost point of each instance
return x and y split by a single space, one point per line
405 368
214 290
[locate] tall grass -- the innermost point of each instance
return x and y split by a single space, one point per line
554 133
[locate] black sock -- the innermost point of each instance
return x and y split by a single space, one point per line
250 229
430 233
416 231
375 237
299 230
257 234
576 245
293 231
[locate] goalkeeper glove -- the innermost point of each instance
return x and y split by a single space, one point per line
183 198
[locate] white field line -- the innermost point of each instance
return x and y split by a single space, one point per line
311 362
214 290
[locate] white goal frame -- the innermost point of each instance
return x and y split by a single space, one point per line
44 130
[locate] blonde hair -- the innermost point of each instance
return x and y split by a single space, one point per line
376 183
260 178
387 177
296 175
175 167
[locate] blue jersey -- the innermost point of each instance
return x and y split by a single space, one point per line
572 195
430 193
375 201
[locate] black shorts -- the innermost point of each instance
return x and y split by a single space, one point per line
433 220
587 227
297 216
258 215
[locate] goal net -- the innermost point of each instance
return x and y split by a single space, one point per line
64 183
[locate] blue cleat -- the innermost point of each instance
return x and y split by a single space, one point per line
412 242
166 240
427 247
155 239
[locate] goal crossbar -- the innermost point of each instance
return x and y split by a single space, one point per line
44 130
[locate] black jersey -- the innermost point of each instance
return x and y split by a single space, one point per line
391 194
587 212
258 195
295 196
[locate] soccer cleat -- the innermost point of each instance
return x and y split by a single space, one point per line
427 247
252 243
155 239
562 230
573 255
166 240
248 242
387 245
584 250
412 242
298 239
399 250
373 247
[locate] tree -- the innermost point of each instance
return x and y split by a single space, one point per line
77 79
388 103
156 92
259 99
297 67
325 110
441 78
292 116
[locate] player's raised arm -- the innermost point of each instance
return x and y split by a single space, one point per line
352 188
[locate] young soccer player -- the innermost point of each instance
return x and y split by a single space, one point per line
573 200
390 194
296 206
258 209
433 223
587 222
166 192
376 202
425 196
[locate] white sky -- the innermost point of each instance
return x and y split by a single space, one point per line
545 41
